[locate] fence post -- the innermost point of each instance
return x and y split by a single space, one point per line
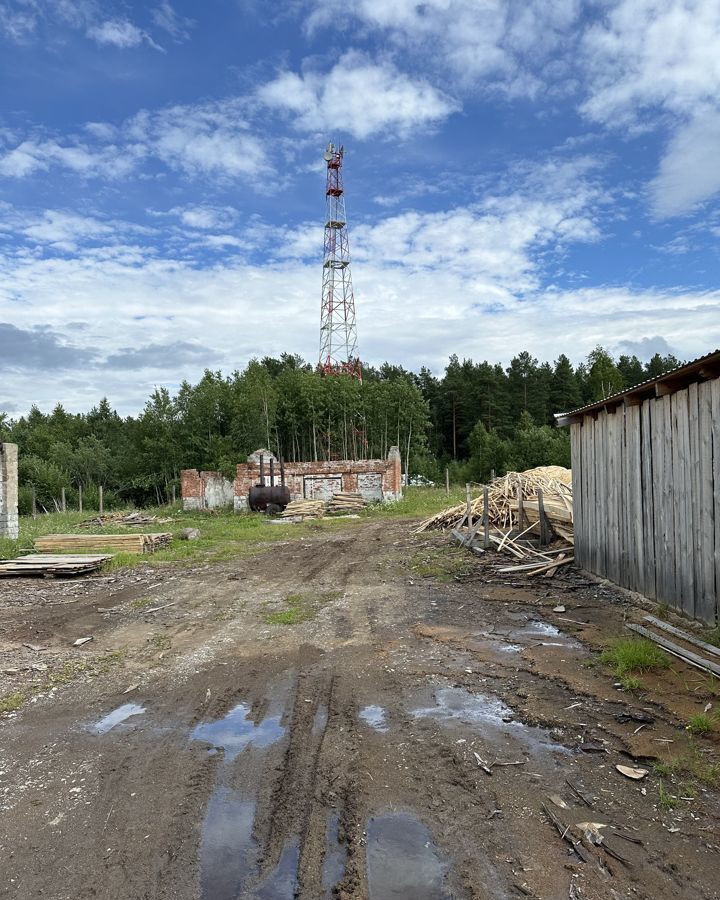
63 504
521 511
80 496
34 503
447 481
492 474
543 520
468 514
486 517
174 495
100 499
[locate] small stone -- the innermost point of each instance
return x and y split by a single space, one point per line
189 534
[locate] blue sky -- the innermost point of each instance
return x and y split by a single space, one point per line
538 175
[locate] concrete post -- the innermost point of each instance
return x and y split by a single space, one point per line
9 524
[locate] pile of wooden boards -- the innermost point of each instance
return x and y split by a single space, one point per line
121 518
306 509
347 502
50 565
505 495
680 643
120 543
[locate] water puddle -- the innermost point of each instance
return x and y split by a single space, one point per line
117 716
402 861
281 884
335 857
236 731
228 850
487 715
321 719
374 716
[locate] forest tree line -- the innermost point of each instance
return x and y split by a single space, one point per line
474 418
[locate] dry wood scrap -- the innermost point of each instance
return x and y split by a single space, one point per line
125 543
121 518
348 501
503 496
60 565
309 509
535 569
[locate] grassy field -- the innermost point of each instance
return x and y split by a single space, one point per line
223 534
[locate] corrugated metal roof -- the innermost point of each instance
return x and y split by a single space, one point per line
686 370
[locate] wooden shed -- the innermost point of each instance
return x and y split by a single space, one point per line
646 487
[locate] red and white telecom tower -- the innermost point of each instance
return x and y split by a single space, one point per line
338 331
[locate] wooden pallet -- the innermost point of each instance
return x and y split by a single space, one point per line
38 565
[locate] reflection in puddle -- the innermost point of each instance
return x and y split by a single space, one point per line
374 716
282 882
321 719
489 715
236 731
228 849
402 861
117 716
335 857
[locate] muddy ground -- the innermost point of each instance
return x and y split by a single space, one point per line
362 713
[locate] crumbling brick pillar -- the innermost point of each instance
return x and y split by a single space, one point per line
191 489
9 525
392 481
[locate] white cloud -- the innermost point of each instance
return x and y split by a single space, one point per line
211 218
481 44
690 169
655 63
178 27
120 33
358 96
204 139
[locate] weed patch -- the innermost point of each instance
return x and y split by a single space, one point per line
627 655
701 723
301 607
11 702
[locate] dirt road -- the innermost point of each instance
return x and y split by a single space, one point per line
358 714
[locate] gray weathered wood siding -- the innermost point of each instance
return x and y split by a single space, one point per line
646 489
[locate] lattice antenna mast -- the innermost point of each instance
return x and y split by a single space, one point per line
338 331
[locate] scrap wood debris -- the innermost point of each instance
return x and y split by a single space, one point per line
514 519
122 518
122 543
346 502
305 509
51 566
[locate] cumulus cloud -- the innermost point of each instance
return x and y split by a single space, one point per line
161 356
359 96
213 138
38 348
493 44
655 63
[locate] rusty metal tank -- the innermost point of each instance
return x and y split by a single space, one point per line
269 497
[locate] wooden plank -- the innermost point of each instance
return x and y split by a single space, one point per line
706 605
613 481
668 535
578 462
699 661
600 494
648 504
685 567
715 419
694 494
686 636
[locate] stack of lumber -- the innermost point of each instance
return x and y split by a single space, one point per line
50 565
347 502
121 543
121 518
306 509
553 481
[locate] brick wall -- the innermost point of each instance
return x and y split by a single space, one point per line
375 479
9 525
205 490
